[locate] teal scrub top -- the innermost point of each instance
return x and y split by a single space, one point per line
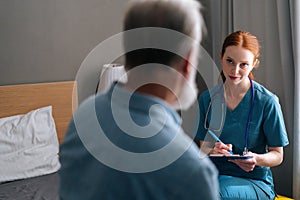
267 128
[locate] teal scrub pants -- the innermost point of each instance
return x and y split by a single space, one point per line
235 188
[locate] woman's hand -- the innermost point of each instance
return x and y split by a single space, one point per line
246 164
221 148
271 159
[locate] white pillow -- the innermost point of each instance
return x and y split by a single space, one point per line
28 145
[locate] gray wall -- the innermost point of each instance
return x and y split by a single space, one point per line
44 40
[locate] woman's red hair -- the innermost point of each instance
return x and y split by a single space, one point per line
245 40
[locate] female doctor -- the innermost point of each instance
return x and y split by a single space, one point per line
252 123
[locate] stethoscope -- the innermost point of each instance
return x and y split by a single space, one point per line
223 117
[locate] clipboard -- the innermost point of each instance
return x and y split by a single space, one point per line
223 157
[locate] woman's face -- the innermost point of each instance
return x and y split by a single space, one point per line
237 63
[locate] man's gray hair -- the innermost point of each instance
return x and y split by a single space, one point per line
182 16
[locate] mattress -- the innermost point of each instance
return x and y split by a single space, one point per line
37 188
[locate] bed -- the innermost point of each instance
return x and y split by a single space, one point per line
32 103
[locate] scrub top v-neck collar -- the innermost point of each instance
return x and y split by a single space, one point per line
241 105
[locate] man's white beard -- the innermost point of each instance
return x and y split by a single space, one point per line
187 95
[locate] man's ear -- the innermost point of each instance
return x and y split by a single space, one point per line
187 65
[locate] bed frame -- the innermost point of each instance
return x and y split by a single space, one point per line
20 99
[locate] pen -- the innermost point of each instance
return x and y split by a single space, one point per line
217 139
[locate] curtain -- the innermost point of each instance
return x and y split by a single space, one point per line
272 22
295 9
219 21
